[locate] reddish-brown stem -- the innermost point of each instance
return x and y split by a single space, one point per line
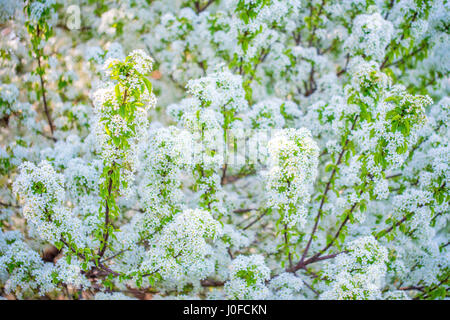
44 98
254 221
286 243
107 222
107 209
200 9
344 70
327 188
313 259
224 174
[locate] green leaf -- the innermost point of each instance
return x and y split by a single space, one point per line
148 84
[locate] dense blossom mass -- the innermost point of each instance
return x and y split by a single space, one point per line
224 149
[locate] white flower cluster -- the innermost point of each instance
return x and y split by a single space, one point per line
81 177
142 63
286 133
181 249
414 202
293 170
370 37
209 115
42 190
219 92
121 110
70 273
285 286
248 275
389 121
358 273
39 8
21 268
272 113
160 188
7 9
8 95
252 19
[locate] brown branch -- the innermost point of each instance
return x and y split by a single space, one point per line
392 176
411 288
344 70
224 174
390 6
327 188
115 255
103 267
44 98
66 28
245 210
206 5
231 179
107 209
107 222
317 256
405 218
262 58
9 205
313 32
404 57
311 87
311 288
47 113
199 8
336 236
46 136
256 220
386 231
429 290
386 59
287 244
444 245
313 259
211 283
70 248
297 37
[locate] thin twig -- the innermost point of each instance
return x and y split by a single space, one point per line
327 188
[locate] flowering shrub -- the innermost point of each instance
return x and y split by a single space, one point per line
224 149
